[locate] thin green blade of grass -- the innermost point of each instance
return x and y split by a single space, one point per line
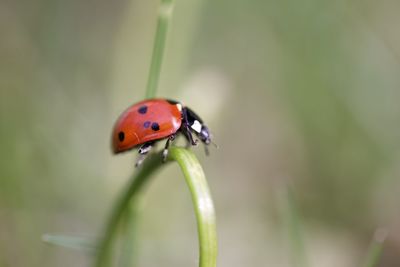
375 248
72 242
128 233
203 204
201 197
140 177
293 226
164 17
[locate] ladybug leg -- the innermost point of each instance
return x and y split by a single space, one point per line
186 127
188 134
165 151
188 144
143 151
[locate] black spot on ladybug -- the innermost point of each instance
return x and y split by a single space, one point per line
146 124
121 136
155 126
142 110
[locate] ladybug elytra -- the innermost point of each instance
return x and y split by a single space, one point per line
152 120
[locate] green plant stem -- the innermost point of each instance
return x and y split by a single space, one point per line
151 164
375 248
128 232
201 198
293 224
164 17
202 202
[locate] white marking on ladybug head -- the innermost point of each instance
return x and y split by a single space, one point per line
179 106
196 126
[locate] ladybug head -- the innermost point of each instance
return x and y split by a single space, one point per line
205 135
197 126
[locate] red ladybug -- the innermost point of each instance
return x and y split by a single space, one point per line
151 120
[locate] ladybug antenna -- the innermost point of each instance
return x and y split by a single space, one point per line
215 145
211 142
206 150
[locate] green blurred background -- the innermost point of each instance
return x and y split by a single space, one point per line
297 93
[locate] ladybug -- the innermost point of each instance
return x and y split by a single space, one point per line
151 120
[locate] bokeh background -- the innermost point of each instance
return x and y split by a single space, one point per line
299 94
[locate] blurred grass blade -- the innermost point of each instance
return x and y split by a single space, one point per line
201 197
293 226
375 248
203 204
164 17
72 242
141 176
128 233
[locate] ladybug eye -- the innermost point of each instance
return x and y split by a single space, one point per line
121 136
